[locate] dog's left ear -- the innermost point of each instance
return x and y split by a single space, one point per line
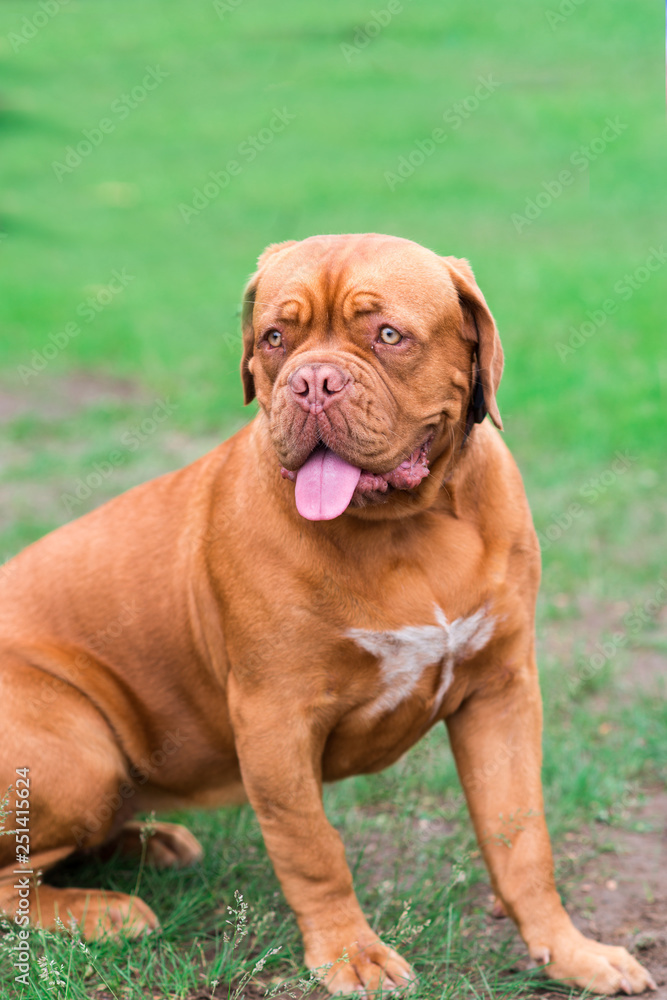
246 318
479 327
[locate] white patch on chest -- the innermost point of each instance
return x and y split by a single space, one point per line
406 652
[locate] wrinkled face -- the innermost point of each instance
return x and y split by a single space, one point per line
360 351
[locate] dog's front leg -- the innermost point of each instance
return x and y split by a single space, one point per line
496 738
279 749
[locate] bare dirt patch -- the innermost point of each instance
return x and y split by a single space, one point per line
617 879
51 453
621 896
594 621
63 396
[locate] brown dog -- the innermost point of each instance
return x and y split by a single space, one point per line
300 605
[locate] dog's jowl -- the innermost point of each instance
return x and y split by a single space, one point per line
355 566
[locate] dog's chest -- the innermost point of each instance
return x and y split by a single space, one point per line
405 654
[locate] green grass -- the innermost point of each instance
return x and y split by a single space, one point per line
172 334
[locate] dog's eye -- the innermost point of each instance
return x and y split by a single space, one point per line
390 336
274 338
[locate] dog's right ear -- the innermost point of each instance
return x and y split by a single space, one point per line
246 318
248 338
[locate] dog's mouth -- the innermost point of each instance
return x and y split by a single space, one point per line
327 484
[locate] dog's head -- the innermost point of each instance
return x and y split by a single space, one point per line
369 355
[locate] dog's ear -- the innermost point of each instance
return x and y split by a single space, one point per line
248 338
246 318
479 327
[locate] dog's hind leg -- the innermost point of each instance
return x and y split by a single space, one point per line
60 769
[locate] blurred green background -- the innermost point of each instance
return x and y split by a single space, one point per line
548 175
362 98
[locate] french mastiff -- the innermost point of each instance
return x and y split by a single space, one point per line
302 604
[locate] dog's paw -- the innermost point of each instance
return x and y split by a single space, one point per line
112 914
98 914
363 964
168 845
599 968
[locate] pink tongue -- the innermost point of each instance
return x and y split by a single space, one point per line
324 485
